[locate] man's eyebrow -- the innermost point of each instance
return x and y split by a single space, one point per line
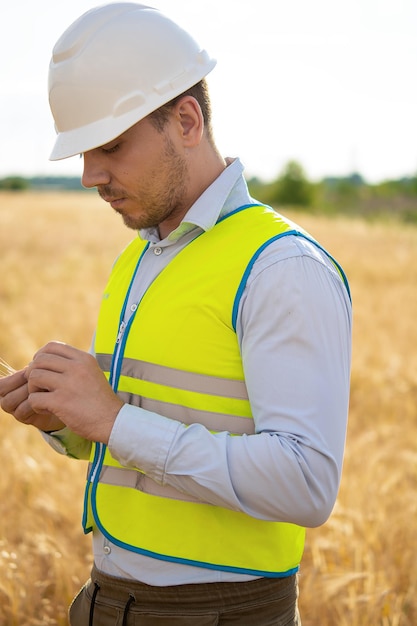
115 139
110 143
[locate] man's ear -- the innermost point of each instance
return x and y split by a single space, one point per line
191 121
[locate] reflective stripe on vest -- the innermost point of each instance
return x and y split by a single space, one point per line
179 357
123 477
187 381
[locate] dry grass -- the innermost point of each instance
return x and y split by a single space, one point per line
360 568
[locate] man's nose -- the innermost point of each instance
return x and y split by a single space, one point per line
94 172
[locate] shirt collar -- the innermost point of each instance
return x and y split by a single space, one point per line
228 192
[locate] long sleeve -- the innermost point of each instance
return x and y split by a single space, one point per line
66 442
294 329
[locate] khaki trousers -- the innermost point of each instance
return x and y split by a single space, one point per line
108 601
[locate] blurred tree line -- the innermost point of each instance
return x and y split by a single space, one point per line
292 188
41 183
349 195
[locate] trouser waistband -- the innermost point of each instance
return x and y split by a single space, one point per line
105 600
204 594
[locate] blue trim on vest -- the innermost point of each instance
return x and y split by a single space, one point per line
87 489
98 465
97 468
242 208
249 267
294 233
116 363
114 379
173 559
114 376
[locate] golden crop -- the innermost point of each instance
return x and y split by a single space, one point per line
359 569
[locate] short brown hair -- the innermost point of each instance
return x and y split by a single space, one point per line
200 92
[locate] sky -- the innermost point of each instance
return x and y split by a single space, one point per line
331 84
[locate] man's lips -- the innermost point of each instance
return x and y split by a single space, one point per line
115 203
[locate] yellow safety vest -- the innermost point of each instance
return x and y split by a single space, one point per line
179 357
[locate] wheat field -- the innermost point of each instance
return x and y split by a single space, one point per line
359 569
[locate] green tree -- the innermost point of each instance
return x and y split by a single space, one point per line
14 183
292 186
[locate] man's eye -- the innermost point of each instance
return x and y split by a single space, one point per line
111 149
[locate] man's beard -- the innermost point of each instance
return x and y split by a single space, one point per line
162 196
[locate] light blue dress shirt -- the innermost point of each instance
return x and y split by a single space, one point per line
294 331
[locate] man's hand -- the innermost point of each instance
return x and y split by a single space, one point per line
69 384
14 399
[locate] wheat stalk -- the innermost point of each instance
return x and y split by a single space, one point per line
5 368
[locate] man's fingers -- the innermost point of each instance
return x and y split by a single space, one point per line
44 379
47 363
12 382
41 401
14 398
59 349
56 357
17 404
24 413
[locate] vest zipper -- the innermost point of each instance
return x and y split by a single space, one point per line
100 448
119 347
96 463
121 331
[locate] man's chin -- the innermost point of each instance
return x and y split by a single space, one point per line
132 222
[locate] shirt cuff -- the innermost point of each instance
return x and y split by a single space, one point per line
143 439
66 442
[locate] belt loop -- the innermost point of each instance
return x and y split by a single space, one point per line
127 607
93 602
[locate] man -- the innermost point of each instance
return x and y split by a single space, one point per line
213 407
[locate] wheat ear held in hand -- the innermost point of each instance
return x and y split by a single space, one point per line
5 368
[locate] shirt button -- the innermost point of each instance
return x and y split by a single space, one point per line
133 307
157 250
106 549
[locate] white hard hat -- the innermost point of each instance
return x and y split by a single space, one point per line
113 66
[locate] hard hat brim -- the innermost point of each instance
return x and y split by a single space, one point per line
82 139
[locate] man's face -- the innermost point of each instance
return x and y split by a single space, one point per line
142 174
